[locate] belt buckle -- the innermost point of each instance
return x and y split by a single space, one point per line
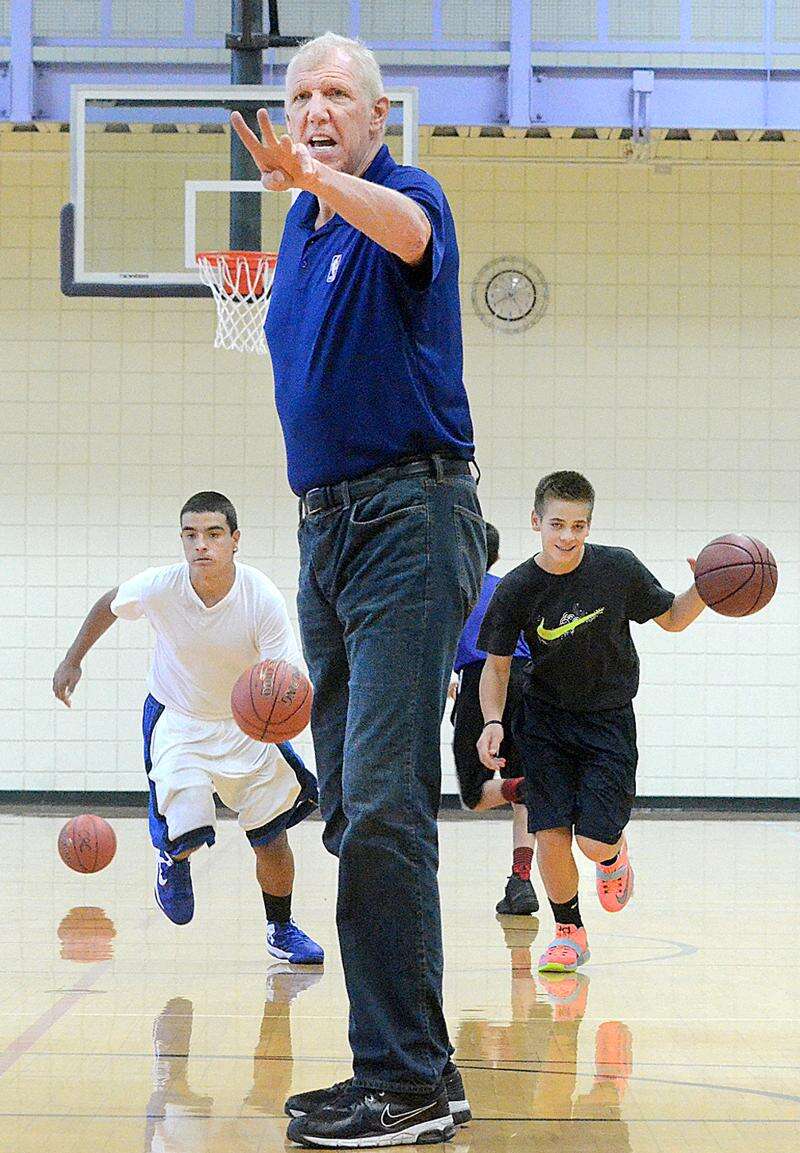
309 500
325 497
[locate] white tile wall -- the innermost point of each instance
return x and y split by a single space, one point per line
666 368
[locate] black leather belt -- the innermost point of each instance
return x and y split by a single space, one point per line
333 496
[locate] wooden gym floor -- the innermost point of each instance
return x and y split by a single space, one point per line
121 1032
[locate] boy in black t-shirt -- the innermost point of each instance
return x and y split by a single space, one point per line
575 730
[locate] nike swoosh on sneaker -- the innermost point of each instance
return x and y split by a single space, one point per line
390 1120
161 880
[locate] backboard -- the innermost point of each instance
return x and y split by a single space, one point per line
150 185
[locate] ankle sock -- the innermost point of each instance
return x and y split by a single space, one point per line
611 861
523 859
513 790
278 909
567 913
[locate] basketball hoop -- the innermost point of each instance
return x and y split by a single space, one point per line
240 283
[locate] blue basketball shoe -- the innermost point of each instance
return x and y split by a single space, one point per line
286 941
174 894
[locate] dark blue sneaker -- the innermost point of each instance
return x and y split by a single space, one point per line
286 941
174 895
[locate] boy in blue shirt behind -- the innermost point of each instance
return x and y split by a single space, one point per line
478 785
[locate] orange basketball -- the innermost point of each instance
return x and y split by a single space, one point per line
736 575
87 843
272 701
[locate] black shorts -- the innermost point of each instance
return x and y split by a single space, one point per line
580 768
468 724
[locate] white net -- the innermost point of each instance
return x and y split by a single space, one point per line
240 283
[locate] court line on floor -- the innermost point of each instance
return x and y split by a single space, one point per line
25 1041
634 1079
506 1021
680 949
585 1066
245 1118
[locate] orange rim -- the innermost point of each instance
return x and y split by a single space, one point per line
246 270
231 258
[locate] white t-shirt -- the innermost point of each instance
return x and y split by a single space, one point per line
200 652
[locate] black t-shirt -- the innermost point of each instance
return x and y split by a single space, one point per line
576 626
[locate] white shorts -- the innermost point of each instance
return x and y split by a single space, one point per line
193 759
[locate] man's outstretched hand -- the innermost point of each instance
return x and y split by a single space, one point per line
283 164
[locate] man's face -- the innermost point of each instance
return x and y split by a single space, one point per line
208 543
327 110
564 525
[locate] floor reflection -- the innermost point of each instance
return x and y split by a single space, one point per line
272 1060
86 934
172 1101
530 1061
180 1120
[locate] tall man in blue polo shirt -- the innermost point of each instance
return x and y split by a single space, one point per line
364 330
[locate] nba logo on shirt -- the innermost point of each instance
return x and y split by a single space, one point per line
334 268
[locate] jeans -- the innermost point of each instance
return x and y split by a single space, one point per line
386 584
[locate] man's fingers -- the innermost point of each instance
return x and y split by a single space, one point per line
244 131
248 138
267 131
291 156
305 159
275 180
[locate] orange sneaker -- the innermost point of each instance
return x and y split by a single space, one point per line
615 882
566 952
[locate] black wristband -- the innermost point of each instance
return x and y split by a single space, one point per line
491 723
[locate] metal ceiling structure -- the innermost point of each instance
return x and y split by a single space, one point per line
692 63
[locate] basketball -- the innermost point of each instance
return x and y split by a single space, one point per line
736 575
272 701
87 843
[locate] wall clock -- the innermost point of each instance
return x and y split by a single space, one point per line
510 294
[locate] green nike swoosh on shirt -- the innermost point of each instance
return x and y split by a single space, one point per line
562 630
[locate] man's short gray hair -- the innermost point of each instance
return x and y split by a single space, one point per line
321 48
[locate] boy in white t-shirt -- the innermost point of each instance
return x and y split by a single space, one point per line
212 618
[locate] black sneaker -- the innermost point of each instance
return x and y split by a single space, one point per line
456 1094
519 900
311 1102
302 1103
372 1119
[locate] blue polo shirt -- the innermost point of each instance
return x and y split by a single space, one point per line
366 351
